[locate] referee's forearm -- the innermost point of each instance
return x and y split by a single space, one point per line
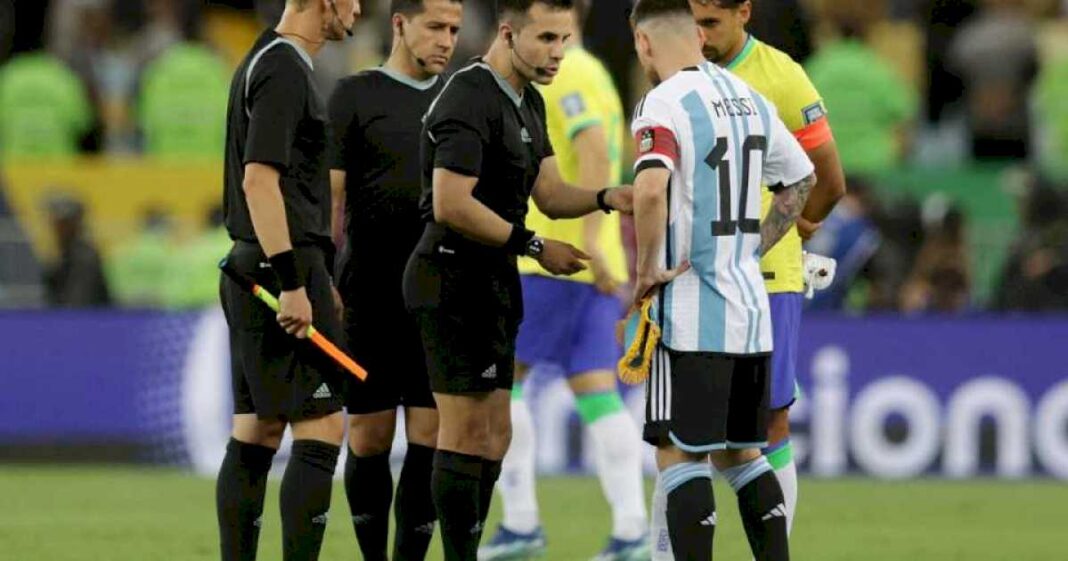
268 212
569 201
476 221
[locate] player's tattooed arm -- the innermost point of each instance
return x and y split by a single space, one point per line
787 206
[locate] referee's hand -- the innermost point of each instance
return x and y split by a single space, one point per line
561 258
295 312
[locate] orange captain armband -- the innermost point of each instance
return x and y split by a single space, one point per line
814 135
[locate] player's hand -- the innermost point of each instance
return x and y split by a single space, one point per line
818 273
602 277
339 304
807 229
295 312
561 258
648 282
621 198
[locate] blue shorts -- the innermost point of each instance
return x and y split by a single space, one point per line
568 324
786 326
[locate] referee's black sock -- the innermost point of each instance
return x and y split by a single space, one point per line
455 483
239 498
491 471
305 498
415 505
369 489
691 510
763 509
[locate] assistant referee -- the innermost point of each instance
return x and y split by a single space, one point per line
277 211
485 151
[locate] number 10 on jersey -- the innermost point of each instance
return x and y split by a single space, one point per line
716 159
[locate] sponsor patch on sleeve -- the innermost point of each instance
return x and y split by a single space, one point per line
573 105
813 113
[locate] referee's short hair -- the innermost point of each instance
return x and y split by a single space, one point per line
410 8
648 9
725 4
514 8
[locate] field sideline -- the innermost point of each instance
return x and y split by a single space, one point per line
127 514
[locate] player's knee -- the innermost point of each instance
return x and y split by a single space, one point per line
251 430
778 426
422 429
726 459
370 437
464 433
500 438
667 456
328 428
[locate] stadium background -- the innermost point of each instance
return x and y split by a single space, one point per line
934 423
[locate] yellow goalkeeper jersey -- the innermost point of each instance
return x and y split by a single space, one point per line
582 95
783 82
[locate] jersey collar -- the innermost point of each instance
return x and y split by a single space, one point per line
750 43
279 38
408 80
516 97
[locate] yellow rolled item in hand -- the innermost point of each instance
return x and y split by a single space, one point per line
640 335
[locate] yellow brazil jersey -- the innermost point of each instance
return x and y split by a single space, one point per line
581 96
782 81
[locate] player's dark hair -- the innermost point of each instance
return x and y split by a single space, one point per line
512 8
409 8
648 9
725 4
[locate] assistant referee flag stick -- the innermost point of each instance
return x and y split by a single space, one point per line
320 341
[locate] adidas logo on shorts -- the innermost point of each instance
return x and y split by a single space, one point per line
321 519
490 372
323 392
710 521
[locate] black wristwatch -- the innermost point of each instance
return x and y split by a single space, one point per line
535 246
602 203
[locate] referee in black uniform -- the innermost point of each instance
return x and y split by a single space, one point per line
277 210
377 121
485 152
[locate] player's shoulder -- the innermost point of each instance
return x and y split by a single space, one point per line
279 56
775 59
474 75
363 80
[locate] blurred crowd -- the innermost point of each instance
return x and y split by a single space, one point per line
908 83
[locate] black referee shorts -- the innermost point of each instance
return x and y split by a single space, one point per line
274 374
468 312
703 402
385 340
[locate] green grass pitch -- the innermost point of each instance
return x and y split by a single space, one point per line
128 514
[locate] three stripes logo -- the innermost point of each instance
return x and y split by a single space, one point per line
710 521
778 512
323 392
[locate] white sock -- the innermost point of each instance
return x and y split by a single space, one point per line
516 483
658 529
617 449
787 477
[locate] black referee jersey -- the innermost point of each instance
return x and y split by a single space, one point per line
480 127
376 117
277 117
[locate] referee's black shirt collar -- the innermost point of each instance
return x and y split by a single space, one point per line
516 97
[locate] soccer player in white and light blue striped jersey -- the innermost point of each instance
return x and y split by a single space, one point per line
706 143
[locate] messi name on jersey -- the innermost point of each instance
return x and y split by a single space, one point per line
735 107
